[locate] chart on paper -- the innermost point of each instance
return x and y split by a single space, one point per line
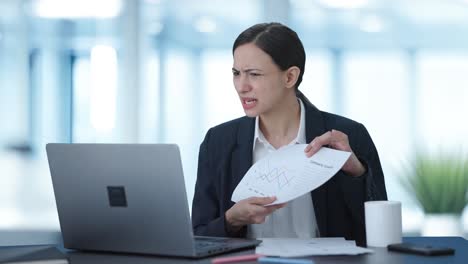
288 173
270 179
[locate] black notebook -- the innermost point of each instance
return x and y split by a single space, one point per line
32 255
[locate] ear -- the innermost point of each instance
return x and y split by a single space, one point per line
291 76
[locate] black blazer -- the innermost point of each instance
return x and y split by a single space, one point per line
226 155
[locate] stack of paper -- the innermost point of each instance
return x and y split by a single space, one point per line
297 247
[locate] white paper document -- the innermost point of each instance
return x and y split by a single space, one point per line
288 173
297 247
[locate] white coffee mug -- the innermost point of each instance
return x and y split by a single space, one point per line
383 223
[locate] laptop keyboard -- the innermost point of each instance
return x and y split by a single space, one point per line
215 245
206 243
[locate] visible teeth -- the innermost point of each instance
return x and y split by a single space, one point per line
250 101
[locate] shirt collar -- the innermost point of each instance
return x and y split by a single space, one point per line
301 135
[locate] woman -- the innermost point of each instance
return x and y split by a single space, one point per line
268 67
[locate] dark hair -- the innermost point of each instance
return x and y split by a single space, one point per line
277 40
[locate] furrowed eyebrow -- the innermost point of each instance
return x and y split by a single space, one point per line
246 70
250 70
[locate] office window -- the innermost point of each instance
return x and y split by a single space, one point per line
14 95
95 95
149 107
82 131
181 110
178 98
221 100
442 101
27 197
376 93
316 82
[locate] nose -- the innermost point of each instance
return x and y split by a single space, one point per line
242 84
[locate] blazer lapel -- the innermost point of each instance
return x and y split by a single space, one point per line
315 126
242 153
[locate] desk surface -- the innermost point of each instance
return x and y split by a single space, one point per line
380 255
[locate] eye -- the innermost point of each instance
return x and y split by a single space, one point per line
235 73
255 74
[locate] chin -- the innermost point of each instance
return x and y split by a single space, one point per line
251 113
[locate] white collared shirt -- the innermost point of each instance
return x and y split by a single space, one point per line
297 219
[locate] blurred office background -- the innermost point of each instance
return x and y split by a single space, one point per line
159 71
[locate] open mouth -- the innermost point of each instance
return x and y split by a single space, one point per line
249 101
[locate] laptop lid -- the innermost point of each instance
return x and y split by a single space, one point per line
121 198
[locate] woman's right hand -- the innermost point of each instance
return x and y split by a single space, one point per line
252 210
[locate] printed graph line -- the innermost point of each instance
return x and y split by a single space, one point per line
276 176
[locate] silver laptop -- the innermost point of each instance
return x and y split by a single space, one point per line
127 198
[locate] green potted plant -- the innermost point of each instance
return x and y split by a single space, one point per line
439 184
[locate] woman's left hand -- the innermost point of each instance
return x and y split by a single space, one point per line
337 140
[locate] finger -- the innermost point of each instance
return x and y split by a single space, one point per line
264 211
282 205
337 133
261 200
317 143
277 206
311 149
309 146
339 141
271 208
323 139
258 211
